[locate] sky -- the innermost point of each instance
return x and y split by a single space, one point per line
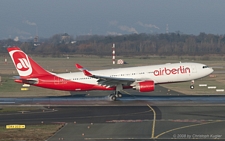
26 18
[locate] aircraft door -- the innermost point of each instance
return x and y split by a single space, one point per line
193 69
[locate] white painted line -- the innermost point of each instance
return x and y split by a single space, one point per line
220 90
211 87
202 85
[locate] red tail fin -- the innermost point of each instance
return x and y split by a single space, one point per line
26 67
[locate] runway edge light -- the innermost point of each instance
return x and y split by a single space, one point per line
16 126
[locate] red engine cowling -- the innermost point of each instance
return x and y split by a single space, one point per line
145 86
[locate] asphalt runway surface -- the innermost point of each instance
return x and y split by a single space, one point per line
133 117
160 97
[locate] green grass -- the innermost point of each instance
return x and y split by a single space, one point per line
8 84
30 133
95 62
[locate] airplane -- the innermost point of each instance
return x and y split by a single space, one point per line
141 78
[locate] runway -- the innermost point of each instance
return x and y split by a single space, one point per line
160 97
173 116
124 101
127 122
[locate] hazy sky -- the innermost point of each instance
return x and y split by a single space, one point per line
23 18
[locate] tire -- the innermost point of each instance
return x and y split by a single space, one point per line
113 98
119 95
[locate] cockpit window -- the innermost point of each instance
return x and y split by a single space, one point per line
205 67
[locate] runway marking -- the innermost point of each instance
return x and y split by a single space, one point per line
186 127
153 124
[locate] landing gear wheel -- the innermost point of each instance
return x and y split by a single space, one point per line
119 95
192 87
113 98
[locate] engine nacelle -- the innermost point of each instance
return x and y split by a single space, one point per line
145 86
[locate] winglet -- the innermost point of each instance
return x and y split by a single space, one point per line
79 67
85 71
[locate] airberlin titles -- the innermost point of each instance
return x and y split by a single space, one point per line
166 71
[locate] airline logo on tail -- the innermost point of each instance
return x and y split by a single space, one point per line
21 61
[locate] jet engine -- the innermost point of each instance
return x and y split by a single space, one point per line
144 86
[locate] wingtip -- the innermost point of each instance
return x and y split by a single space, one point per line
87 73
78 66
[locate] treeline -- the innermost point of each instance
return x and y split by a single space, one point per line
133 44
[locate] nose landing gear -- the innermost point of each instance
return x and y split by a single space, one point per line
192 84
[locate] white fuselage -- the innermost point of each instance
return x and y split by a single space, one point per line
164 73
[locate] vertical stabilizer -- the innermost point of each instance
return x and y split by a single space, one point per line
25 66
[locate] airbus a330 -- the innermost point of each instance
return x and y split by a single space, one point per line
142 78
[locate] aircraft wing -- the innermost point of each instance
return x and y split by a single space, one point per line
106 80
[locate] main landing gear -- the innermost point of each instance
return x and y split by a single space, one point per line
117 93
192 84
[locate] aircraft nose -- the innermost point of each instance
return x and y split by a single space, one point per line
211 70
